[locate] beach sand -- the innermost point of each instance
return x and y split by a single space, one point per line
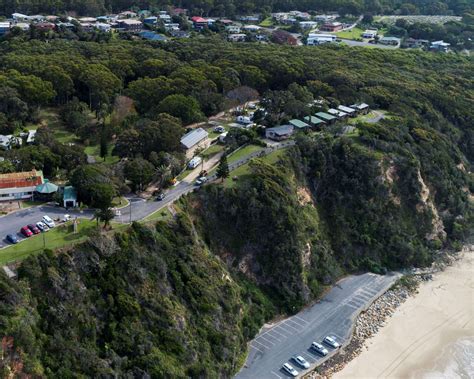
420 339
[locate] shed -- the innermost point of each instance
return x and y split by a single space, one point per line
69 197
196 138
351 112
314 121
298 124
326 117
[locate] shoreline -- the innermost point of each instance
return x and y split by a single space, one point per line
405 332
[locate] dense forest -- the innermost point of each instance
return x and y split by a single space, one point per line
182 298
230 8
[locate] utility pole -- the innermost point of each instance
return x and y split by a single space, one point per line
130 211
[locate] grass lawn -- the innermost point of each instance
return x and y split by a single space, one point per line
213 150
94 150
351 34
29 204
244 170
58 237
243 152
119 202
267 22
161 215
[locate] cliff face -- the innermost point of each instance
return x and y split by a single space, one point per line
182 299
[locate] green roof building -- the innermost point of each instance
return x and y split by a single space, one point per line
314 121
69 197
46 188
326 117
298 124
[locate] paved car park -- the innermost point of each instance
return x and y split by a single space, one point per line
333 315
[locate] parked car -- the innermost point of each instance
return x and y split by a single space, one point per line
160 196
42 226
201 180
34 229
66 218
219 129
48 221
26 231
331 341
290 370
301 361
319 348
12 238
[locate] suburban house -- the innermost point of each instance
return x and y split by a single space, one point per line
251 28
195 139
9 141
413 43
440 46
394 41
351 112
150 20
279 133
339 114
199 22
361 108
19 185
4 27
130 25
69 197
298 124
318 39
44 26
314 121
238 37
233 29
328 118
331 27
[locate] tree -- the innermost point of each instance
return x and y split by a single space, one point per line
104 148
104 215
242 95
223 168
184 107
140 172
94 186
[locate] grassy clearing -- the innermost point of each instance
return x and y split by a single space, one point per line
212 150
160 215
56 238
267 22
350 34
249 149
119 202
94 150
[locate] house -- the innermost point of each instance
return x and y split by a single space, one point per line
251 28
393 41
9 141
87 27
308 24
44 26
440 46
127 14
69 197
232 29
152 36
22 25
240 37
19 185
31 136
130 25
199 22
328 118
195 139
179 34
351 112
298 124
243 120
20 17
338 113
314 121
315 39
369 33
331 27
179 11
89 20
252 18
279 133
412 43
361 108
4 28
106 28
165 17
150 20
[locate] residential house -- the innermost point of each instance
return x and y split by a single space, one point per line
127 14
440 46
369 33
331 27
179 34
308 24
20 17
251 28
106 28
195 139
87 27
9 141
252 18
338 113
199 22
315 39
361 108
412 43
298 124
22 25
19 185
234 29
165 18
240 37
279 133
89 20
4 28
393 41
326 117
152 20
44 26
351 112
130 25
314 121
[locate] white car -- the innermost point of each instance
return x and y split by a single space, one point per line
219 129
66 218
319 348
301 361
290 370
48 221
201 180
42 226
331 341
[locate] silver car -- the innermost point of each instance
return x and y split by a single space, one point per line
331 341
301 361
319 348
290 370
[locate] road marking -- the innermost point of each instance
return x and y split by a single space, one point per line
297 323
351 306
256 348
267 340
273 330
271 335
309 357
284 330
299 318
292 327
265 346
274 373
338 337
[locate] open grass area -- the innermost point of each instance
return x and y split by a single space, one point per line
94 150
119 202
58 237
350 34
267 22
241 153
161 215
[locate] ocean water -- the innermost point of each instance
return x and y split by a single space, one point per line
455 362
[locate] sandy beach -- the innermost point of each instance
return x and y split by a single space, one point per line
431 335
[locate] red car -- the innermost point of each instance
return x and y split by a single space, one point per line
34 229
26 231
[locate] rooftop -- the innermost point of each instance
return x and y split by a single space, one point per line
282 130
325 116
298 124
194 137
21 179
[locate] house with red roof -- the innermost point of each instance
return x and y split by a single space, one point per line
19 185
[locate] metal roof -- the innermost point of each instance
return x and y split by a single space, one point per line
298 124
281 130
69 193
314 120
46 187
325 116
345 109
194 137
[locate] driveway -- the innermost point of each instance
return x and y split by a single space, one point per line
334 315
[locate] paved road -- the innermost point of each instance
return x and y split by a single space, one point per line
138 207
333 315
361 43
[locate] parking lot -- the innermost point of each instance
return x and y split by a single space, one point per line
333 315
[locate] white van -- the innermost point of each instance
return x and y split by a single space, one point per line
193 163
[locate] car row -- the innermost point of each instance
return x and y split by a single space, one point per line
303 363
29 230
